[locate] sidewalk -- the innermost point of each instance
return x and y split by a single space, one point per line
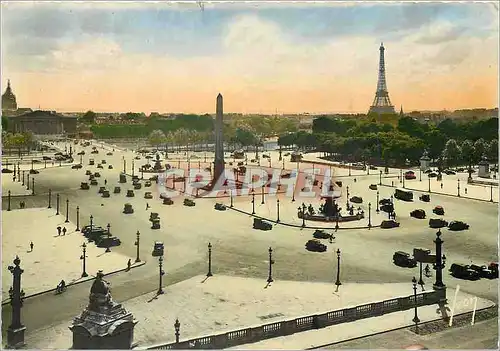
54 257
223 303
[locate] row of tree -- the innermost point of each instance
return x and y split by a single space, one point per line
18 141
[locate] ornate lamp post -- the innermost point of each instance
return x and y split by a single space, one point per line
378 210
15 332
177 327
458 187
380 178
81 159
491 193
349 166
283 164
209 274
253 203
23 179
84 258
32 186
303 215
91 221
57 204
77 218
50 198
429 190
262 192
416 320
420 174
347 201
133 167
369 215
337 215
271 262
293 192
67 211
337 282
8 201
161 273
137 243
278 210
403 179
28 181
439 262
124 165
231 197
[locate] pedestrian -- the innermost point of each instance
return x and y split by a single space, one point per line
105 181
465 191
129 264
147 206
441 185
64 231
58 230
354 180
31 246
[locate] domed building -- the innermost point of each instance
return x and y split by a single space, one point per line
9 99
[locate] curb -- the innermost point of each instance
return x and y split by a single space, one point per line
297 225
391 330
443 194
142 263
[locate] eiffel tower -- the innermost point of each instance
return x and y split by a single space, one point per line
381 104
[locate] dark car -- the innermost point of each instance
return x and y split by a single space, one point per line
88 172
138 157
388 224
220 207
484 271
463 271
449 172
419 213
167 201
385 202
93 182
387 208
356 199
46 158
373 187
403 259
108 241
188 202
137 186
439 210
148 195
158 249
425 198
86 230
130 193
78 166
97 174
117 190
432 175
261 224
458 225
437 223
321 234
147 183
96 234
84 186
315 245
109 154
410 175
110 166
99 166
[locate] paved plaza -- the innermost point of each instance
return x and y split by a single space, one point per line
238 250
220 304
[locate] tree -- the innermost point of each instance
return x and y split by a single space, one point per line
156 138
479 150
467 148
5 123
451 153
89 117
492 151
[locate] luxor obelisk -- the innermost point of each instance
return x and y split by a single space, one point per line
219 141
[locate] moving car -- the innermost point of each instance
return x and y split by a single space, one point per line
109 154
387 208
84 186
46 158
91 162
402 194
437 223
432 175
419 213
484 271
93 182
315 245
189 202
88 172
457 225
117 190
158 249
261 224
148 195
321 234
168 201
108 241
97 174
356 199
463 271
403 259
388 224
373 187
220 207
425 198
439 210
449 172
410 175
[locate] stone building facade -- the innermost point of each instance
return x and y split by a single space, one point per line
43 122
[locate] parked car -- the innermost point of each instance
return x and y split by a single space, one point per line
93 182
105 193
108 241
220 207
168 201
101 189
138 157
88 172
449 172
147 183
261 224
97 174
373 168
419 213
148 195
425 198
87 230
84 186
99 166
137 186
46 158
356 199
109 154
410 175
457 226
117 190
463 271
484 271
130 193
321 234
373 187
91 162
388 224
387 208
158 249
437 223
432 175
439 210
315 245
403 259
385 202
110 166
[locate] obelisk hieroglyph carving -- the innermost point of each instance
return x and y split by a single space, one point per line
219 141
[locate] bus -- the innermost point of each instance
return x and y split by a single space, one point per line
403 194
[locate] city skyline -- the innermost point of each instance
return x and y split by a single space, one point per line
314 58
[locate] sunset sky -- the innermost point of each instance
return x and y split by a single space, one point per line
292 58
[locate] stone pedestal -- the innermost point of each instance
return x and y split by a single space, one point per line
484 169
15 338
104 324
425 162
